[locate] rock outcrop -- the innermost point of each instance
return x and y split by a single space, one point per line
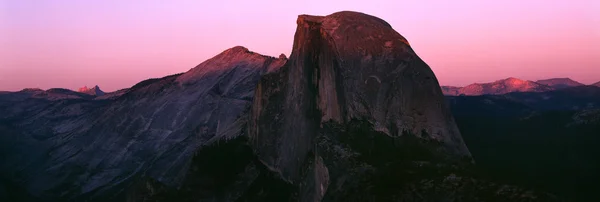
559 83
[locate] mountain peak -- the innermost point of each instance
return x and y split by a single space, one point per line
229 59
372 28
91 91
83 89
514 81
341 15
237 49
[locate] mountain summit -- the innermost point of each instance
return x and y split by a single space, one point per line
95 91
232 57
559 83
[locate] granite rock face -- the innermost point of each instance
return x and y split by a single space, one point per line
349 74
80 149
338 75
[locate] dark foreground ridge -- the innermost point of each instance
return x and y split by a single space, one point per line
353 115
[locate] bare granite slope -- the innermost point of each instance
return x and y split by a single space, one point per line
78 149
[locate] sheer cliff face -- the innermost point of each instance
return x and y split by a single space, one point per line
344 67
82 148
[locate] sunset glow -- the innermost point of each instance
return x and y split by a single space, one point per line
115 44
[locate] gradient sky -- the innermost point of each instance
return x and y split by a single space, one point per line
117 43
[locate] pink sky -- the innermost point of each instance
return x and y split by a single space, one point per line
116 43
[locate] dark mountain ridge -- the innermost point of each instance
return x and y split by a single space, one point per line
560 83
50 94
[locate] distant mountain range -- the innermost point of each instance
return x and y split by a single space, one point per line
54 94
510 85
50 94
498 87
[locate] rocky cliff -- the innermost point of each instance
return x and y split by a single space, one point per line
350 75
337 76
